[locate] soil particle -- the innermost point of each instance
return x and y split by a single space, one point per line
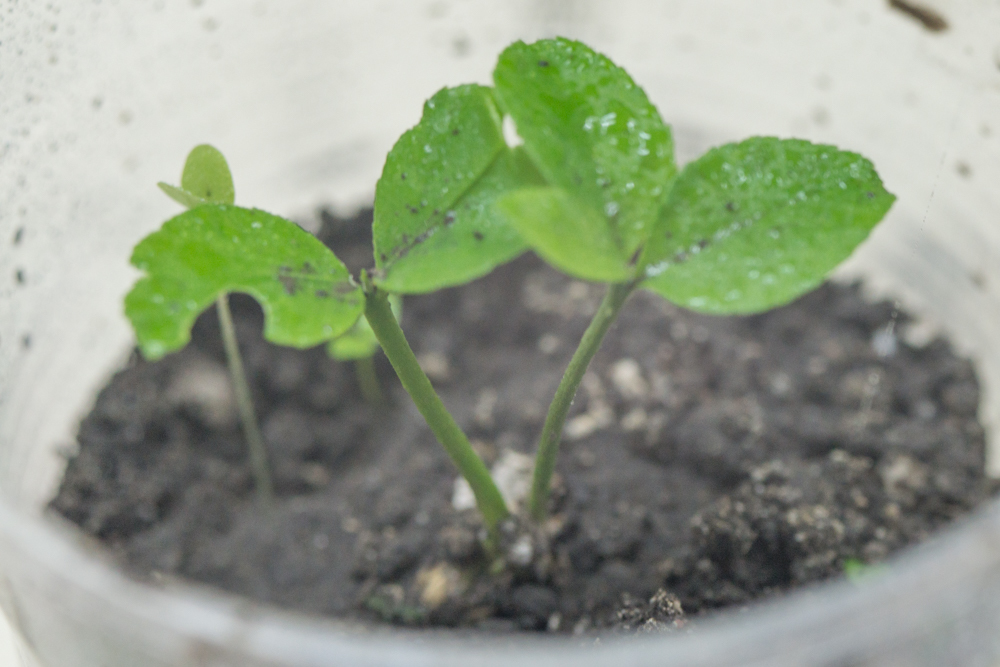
707 462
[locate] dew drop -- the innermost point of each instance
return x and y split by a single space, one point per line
611 209
256 224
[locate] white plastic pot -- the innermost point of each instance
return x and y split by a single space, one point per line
99 100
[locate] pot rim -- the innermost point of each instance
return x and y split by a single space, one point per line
828 620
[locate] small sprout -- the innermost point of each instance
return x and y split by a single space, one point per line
206 179
859 572
592 187
199 257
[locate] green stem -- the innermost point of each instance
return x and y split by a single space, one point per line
244 403
364 370
390 336
548 445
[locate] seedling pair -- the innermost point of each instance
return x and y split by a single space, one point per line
593 189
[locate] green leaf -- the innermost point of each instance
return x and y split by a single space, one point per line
182 197
433 222
360 341
465 240
305 291
206 179
592 132
752 225
206 175
570 236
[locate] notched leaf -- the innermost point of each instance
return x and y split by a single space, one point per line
206 176
305 291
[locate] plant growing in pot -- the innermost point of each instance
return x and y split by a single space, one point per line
593 189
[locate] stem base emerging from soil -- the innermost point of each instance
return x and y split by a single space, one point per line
488 498
548 444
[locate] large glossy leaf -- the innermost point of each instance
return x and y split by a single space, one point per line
433 224
592 132
753 225
305 291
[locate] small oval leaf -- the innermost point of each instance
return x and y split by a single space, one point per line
752 225
206 176
305 291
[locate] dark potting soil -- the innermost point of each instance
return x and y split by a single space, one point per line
707 461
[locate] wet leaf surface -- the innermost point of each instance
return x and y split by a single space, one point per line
752 225
305 291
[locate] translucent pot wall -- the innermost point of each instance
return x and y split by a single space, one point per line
99 100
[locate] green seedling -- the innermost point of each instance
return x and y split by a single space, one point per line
215 248
859 572
593 189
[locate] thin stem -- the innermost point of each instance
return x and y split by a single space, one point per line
255 442
491 504
548 445
364 371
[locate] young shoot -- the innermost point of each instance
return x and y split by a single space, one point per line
199 257
594 190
